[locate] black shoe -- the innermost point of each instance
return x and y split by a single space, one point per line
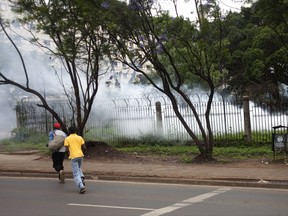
82 190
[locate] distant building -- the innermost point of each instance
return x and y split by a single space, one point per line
20 34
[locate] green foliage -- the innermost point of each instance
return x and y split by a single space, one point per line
256 35
243 152
15 146
235 149
228 149
161 150
262 138
145 140
29 135
24 139
187 153
101 134
30 141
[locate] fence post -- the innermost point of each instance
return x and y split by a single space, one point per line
159 122
247 122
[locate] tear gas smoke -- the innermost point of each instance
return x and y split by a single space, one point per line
44 78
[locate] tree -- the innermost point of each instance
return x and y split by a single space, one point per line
180 52
257 64
273 15
80 45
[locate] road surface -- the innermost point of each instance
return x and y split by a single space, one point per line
34 197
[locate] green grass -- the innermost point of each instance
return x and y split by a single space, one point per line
186 153
153 145
34 141
243 152
236 149
8 146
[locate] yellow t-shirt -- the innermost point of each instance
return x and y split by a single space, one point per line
74 143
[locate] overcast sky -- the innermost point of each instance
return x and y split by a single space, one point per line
187 9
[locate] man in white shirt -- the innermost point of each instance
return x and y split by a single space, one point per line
58 156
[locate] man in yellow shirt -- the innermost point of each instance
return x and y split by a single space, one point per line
75 143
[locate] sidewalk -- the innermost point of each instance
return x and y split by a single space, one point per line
226 175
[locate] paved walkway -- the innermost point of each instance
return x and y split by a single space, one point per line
263 176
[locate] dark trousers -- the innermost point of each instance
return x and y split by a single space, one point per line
58 158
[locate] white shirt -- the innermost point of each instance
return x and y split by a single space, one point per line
60 133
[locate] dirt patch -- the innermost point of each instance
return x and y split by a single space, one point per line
98 150
102 151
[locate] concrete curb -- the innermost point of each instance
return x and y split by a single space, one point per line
271 184
212 182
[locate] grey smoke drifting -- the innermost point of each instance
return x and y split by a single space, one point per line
44 73
41 78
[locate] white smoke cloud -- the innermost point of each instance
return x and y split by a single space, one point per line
42 78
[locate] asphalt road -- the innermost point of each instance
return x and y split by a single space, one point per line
29 196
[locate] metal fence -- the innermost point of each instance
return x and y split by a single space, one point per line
227 121
111 121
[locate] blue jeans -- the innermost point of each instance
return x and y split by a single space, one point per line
76 164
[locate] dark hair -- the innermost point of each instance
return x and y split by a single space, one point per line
72 129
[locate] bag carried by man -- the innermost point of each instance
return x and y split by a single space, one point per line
55 144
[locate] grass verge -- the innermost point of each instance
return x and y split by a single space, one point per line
186 153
